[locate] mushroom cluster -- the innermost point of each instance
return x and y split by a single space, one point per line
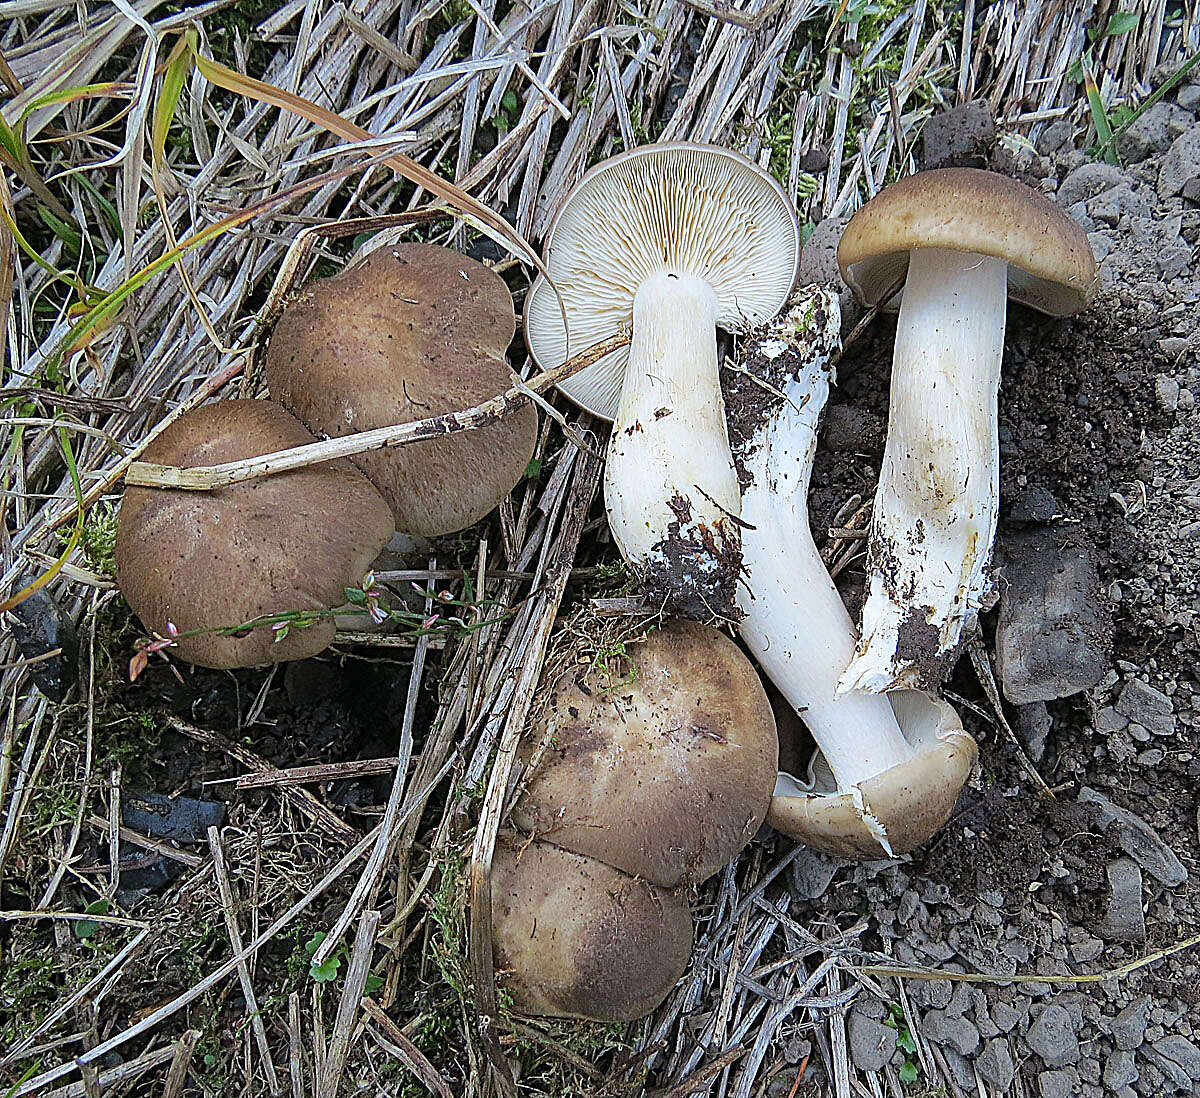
646 776
412 331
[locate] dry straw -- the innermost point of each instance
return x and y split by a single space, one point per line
178 157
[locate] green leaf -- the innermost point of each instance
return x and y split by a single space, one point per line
806 231
174 78
325 973
906 1042
85 928
311 946
908 1073
509 102
70 236
356 596
533 468
1122 22
374 983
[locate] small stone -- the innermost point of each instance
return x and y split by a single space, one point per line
1033 727
951 1030
1004 1016
41 626
1180 1079
1137 839
1151 133
1128 1028
1150 758
1151 708
960 1067
1187 400
1087 950
1181 1051
1053 632
1058 1084
995 1064
871 1043
1181 163
1119 1069
1108 721
1052 1036
818 266
1188 97
1123 919
179 819
1034 504
1055 136
931 993
1166 392
1108 207
1089 180
811 873
961 137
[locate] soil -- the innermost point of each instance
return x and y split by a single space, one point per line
1100 441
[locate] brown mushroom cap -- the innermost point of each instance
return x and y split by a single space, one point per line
664 766
574 937
909 802
411 332
293 541
1051 265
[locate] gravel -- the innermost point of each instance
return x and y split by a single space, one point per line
1123 919
995 1064
1052 1036
1119 1069
1140 841
1128 1028
872 1044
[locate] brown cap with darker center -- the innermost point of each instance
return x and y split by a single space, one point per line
293 541
411 332
1051 265
574 937
661 763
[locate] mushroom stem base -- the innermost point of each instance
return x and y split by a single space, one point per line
669 484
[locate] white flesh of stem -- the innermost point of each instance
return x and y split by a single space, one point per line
669 440
796 623
935 509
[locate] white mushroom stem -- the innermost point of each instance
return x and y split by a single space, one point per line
669 461
935 509
795 621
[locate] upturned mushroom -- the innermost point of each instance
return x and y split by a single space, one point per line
889 767
960 242
410 332
678 240
209 561
660 763
573 937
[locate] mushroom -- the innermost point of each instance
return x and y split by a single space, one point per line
660 761
410 332
889 766
573 937
961 241
678 239
212 560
